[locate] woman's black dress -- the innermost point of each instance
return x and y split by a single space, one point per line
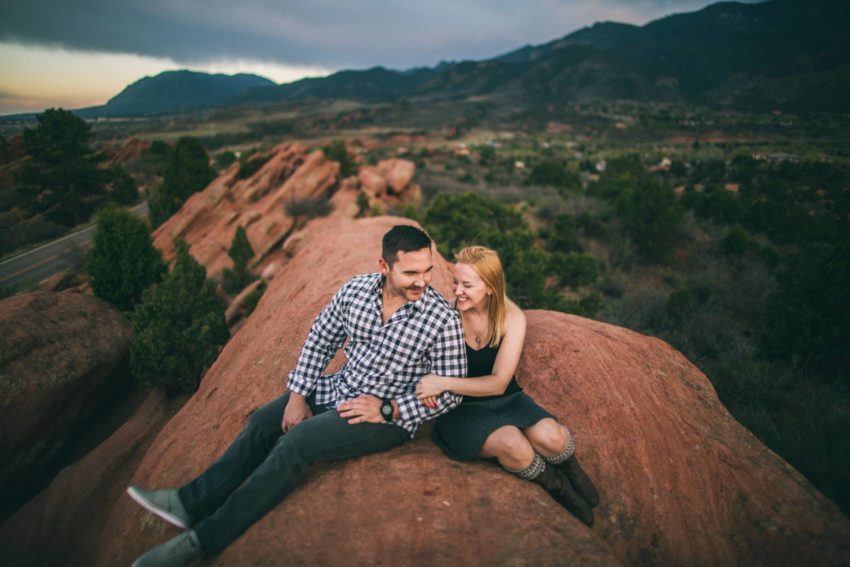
461 432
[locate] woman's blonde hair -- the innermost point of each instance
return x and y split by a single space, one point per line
487 265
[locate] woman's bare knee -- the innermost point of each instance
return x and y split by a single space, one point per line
510 446
548 437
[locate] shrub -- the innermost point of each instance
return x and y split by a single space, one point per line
124 191
574 270
338 151
225 159
362 203
122 262
554 174
254 298
178 327
310 207
650 214
235 280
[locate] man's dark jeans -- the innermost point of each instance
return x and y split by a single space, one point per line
263 465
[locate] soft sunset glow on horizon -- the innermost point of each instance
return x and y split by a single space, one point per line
34 78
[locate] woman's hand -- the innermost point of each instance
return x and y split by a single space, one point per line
430 386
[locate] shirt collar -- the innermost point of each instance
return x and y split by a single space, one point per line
418 306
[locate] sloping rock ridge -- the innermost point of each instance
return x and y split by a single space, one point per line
681 482
288 173
58 352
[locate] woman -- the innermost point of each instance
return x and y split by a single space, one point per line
497 419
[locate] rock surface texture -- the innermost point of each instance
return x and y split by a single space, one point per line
681 482
58 353
289 172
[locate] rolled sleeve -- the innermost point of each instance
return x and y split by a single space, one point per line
326 336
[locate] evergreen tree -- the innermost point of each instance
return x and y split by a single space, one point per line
61 179
186 171
338 151
240 252
124 191
179 326
123 262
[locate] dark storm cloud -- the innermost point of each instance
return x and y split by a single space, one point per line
329 33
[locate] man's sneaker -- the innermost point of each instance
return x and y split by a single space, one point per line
164 503
175 552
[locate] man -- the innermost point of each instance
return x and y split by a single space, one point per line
399 329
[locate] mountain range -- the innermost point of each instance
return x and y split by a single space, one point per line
791 55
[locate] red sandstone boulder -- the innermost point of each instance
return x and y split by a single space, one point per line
209 218
58 357
681 481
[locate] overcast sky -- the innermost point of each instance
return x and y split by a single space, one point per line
75 53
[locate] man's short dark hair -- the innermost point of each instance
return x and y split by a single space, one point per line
403 238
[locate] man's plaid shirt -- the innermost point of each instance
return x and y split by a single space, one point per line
384 360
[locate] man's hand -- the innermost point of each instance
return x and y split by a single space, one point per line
297 410
362 409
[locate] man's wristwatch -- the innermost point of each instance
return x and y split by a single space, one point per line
387 410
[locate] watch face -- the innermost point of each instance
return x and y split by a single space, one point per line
386 409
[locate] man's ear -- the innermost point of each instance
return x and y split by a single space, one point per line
382 264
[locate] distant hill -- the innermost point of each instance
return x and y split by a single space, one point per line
176 91
791 55
785 54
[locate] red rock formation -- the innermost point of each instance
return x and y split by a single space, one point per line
681 481
130 150
59 352
208 219
63 525
290 172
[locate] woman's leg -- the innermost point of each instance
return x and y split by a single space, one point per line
548 437
557 446
510 447
515 453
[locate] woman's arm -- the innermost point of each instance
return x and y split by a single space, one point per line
503 369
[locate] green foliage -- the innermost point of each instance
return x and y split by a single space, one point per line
122 262
186 170
338 151
61 178
553 173
455 221
574 270
362 203
308 208
487 155
562 237
620 175
807 319
648 210
178 328
251 162
715 203
736 243
235 280
124 191
254 298
225 159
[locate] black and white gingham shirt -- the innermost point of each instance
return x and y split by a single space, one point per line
384 360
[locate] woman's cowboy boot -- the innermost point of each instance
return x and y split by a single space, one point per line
579 479
556 483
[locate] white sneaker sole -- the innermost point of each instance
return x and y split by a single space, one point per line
144 503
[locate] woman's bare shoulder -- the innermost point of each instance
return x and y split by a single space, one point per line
514 316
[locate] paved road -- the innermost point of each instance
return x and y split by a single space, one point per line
31 267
